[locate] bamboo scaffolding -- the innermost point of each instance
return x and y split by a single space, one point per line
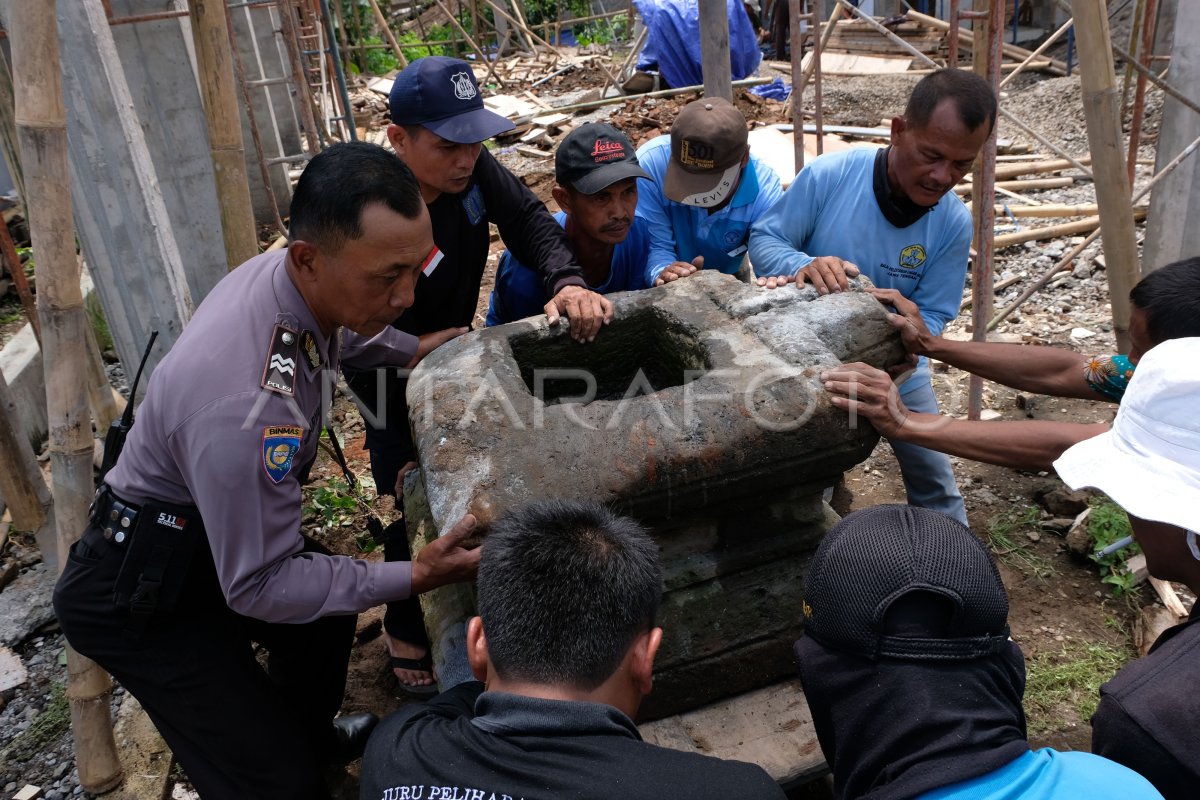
1011 50
1066 260
11 261
1101 109
1008 115
471 42
983 182
388 36
42 133
1149 26
1029 60
210 31
1019 186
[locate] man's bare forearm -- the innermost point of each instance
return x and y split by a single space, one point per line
1021 444
1028 368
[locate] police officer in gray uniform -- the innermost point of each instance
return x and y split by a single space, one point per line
194 550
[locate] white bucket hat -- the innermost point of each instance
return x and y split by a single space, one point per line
1149 463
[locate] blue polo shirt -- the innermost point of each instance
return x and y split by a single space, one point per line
1049 775
520 291
681 232
830 210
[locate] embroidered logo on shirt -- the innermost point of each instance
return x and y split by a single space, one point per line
464 87
473 205
280 445
912 256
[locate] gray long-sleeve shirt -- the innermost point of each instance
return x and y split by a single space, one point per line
210 435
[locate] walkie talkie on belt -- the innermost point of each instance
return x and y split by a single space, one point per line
114 440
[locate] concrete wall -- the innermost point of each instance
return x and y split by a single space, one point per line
1173 227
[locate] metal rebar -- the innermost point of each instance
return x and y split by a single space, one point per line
1149 26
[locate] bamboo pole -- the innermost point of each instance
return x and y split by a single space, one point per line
1157 80
210 31
482 57
1029 61
1018 186
1069 257
104 401
1075 228
12 261
252 119
304 98
813 63
965 37
8 129
608 101
1056 210
388 36
987 56
21 482
1101 110
1015 169
1139 11
797 97
1139 93
42 133
714 48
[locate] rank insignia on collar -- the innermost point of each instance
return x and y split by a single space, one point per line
279 448
308 343
279 373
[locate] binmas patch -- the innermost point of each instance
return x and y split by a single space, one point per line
279 448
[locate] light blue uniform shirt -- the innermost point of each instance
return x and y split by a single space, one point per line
830 210
520 293
681 232
1049 775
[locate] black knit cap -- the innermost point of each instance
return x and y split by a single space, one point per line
880 555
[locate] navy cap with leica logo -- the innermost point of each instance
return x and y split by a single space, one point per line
442 95
595 156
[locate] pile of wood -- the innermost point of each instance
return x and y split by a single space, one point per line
855 36
538 127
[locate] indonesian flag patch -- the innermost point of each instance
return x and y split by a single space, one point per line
431 261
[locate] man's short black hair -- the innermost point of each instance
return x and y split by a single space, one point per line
1170 299
339 182
564 588
972 96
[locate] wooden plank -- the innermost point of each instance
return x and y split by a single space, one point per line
858 63
1169 598
771 727
775 147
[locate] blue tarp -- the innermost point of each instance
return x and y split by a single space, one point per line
673 41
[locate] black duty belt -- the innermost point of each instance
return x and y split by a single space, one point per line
115 518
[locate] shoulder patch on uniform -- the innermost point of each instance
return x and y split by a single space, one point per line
279 448
473 205
279 371
312 353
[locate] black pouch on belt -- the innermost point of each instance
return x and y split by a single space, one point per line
156 564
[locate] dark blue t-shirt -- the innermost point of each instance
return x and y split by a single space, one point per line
519 292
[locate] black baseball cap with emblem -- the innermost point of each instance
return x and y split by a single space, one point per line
594 156
873 565
441 94
708 141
